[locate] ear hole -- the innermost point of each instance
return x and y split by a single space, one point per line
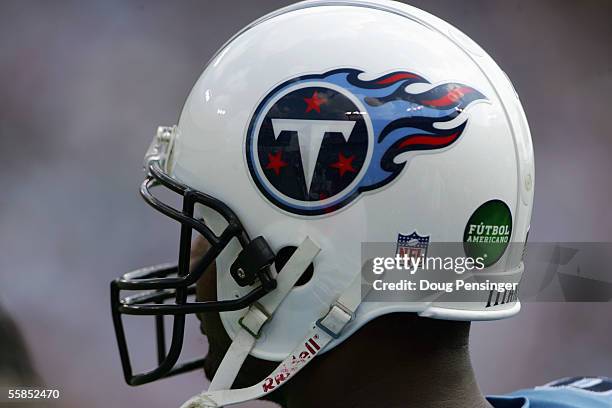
283 256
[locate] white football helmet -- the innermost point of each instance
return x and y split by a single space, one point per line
323 126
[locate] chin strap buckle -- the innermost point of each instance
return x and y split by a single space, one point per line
335 319
254 320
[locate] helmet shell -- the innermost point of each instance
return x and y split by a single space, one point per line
436 192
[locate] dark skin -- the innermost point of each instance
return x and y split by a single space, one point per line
395 361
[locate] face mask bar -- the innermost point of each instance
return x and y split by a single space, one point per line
177 282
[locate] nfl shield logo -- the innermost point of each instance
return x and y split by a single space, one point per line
413 245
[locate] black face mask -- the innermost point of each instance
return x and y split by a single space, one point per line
164 290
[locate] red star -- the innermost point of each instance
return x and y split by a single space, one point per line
275 162
314 102
344 164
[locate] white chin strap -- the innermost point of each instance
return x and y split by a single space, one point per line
323 331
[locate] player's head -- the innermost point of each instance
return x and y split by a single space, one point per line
313 134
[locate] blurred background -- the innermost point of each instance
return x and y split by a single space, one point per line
83 85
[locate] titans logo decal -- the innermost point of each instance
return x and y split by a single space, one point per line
316 142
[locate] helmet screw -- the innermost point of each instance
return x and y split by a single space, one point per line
164 133
528 182
241 274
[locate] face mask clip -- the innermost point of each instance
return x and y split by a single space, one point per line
252 263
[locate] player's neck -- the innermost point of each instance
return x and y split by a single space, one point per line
421 371
421 378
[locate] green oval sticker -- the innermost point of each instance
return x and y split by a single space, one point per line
487 233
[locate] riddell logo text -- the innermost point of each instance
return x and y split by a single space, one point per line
283 372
